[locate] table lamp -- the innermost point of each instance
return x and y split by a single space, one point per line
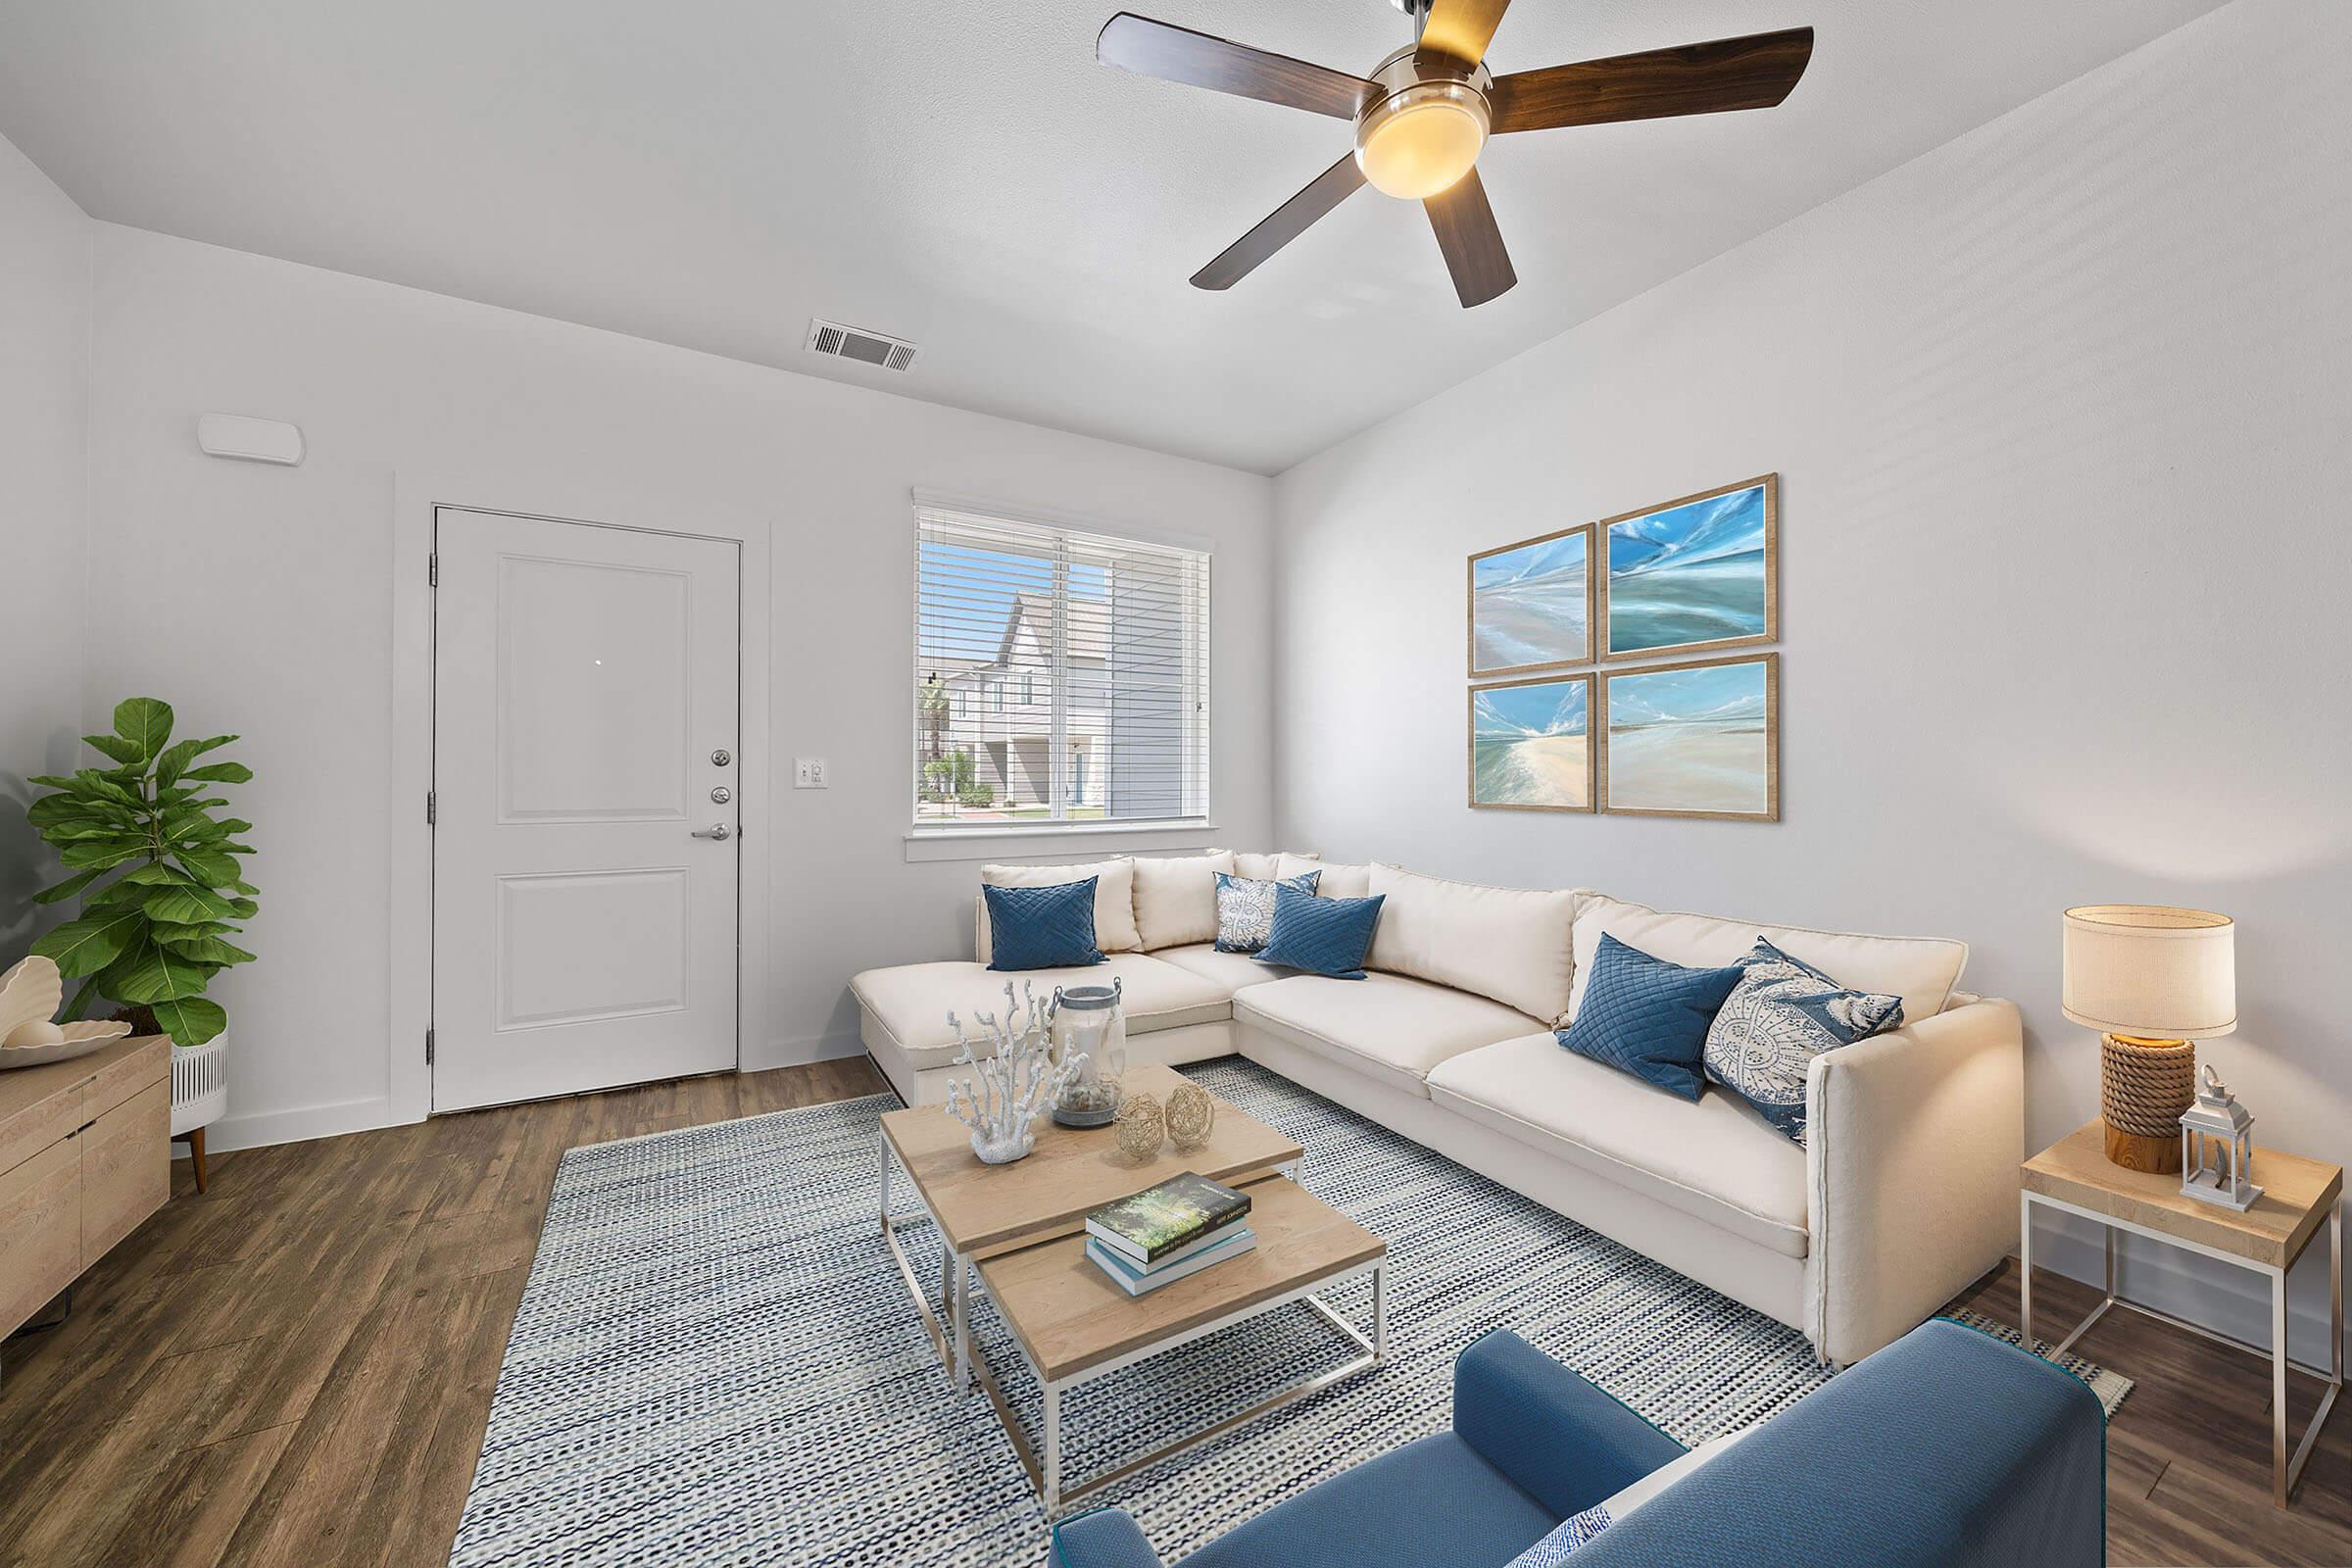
2151 980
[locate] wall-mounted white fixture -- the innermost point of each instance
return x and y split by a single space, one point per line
234 435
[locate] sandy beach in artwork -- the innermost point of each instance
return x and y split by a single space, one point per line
1694 766
1532 770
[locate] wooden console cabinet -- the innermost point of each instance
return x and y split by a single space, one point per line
85 1155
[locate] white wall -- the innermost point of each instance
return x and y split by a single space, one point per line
262 600
2060 414
44 397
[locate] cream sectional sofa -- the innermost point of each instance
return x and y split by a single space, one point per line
1905 1192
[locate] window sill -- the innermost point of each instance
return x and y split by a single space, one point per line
1052 839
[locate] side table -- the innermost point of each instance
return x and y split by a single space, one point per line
2073 1176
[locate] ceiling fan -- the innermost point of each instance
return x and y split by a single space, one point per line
1423 115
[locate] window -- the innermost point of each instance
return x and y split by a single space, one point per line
1106 643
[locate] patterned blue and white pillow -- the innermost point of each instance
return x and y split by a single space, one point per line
1783 1013
1245 909
1571 1532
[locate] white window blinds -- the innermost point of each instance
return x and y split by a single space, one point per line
1060 676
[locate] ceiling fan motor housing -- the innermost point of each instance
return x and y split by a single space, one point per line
1446 101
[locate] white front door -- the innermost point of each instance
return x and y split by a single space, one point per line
585 787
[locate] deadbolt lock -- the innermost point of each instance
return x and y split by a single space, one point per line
721 757
722 794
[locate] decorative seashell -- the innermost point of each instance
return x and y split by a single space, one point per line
70 1041
1192 1115
1140 1128
39 1032
29 993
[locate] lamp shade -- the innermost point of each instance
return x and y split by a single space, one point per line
2150 973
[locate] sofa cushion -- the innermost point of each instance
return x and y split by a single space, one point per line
1714 1158
1783 1014
1232 970
912 1001
1114 899
1385 1026
1922 970
1344 881
1176 897
1268 867
1245 910
1510 944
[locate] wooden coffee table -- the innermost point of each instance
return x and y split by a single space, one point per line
1020 1228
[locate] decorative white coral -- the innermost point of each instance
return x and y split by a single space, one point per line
1014 1077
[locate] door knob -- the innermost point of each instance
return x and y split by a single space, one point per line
716 830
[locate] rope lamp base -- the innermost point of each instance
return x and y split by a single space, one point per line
2144 1085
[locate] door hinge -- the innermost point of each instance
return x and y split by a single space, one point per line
429 1046
432 809
433 568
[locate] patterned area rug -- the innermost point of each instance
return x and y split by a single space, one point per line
716 1361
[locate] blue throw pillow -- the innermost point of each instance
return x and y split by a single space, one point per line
1649 1017
1042 928
1322 936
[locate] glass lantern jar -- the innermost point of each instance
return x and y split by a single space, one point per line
1090 1019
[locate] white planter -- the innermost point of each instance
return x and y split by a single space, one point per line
199 1085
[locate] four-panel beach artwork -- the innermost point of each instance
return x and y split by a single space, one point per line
1696 737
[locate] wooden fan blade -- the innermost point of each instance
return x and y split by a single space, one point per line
1756 72
1462 29
1178 54
1472 243
1282 225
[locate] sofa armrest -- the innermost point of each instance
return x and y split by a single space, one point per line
1105 1538
1553 1436
1952 1449
1912 1148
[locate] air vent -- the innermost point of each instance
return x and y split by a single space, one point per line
857 343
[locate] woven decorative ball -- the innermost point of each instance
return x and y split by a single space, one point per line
1191 1116
1141 1127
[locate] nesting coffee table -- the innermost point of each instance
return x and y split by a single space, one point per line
1019 1228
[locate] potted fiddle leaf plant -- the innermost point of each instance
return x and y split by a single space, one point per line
163 888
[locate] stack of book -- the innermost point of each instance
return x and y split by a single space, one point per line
1164 1233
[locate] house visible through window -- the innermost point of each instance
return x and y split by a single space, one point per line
1104 642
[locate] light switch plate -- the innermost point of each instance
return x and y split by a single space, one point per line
808 773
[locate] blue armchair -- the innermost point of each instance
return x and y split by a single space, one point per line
1946 1449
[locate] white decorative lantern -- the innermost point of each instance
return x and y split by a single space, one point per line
1090 1026
2217 1146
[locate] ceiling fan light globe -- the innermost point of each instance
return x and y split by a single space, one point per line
1420 141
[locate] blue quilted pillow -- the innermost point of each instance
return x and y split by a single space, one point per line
1649 1017
1042 928
1784 1014
1322 936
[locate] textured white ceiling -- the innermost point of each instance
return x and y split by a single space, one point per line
713 173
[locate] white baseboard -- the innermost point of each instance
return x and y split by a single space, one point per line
300 1124
801 1053
2214 1296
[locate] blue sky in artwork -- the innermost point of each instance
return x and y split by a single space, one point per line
1711 694
1551 708
1531 562
1679 536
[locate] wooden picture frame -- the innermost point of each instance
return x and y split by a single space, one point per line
1590 781
1604 620
1591 601
1617 759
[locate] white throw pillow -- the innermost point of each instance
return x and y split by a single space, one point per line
1114 899
1268 867
1513 944
1176 897
1922 970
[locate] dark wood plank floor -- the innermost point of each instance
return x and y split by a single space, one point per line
295 1368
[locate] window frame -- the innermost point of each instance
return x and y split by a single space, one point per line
1197 755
